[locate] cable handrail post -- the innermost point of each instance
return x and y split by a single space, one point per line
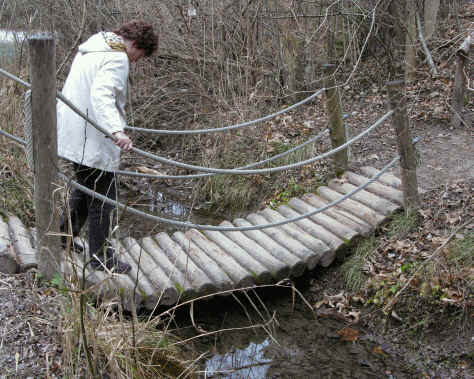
336 123
42 50
406 147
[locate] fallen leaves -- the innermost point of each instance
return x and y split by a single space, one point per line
348 334
339 306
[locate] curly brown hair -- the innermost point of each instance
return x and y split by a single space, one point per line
141 33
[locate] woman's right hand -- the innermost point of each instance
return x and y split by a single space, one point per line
123 141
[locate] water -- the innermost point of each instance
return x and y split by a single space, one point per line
9 41
297 344
249 362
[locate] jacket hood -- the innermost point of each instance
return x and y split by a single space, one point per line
100 42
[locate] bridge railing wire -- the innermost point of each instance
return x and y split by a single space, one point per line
183 224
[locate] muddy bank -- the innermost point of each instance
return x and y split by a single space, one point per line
266 335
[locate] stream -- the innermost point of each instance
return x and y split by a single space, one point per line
295 344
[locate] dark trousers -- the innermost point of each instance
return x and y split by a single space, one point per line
83 206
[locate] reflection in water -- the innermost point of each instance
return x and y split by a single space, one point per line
162 205
247 363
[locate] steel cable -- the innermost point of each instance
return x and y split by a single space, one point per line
184 224
231 127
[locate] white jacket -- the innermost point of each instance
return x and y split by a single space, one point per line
97 85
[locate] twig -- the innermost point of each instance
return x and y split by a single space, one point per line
78 39
397 295
425 47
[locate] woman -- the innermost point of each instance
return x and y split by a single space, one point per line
97 85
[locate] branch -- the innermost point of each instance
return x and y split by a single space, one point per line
425 47
78 39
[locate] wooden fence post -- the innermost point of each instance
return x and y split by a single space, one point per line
336 123
405 145
460 83
42 49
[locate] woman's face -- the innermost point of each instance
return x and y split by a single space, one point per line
134 53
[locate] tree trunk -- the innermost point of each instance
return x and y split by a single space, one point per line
460 82
410 45
431 16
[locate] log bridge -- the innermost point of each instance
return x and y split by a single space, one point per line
168 269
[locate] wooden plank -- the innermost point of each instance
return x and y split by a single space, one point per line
220 279
106 286
317 231
258 270
8 263
375 202
25 253
354 207
345 218
176 277
279 235
166 292
150 296
386 178
239 275
278 268
329 223
197 277
297 266
376 187
318 247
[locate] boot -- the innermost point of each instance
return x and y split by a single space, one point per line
111 262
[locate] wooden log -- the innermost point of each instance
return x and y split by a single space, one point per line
297 266
359 210
8 263
21 239
387 178
106 286
220 279
375 202
406 149
278 268
376 187
343 217
197 277
166 292
144 286
318 247
337 228
317 231
261 273
279 235
42 50
175 276
238 274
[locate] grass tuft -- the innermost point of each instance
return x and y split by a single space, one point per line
352 269
402 224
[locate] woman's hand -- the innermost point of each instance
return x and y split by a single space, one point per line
123 141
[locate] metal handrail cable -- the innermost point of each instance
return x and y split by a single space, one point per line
193 176
226 228
230 127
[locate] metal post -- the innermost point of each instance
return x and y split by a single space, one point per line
42 51
336 124
405 145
